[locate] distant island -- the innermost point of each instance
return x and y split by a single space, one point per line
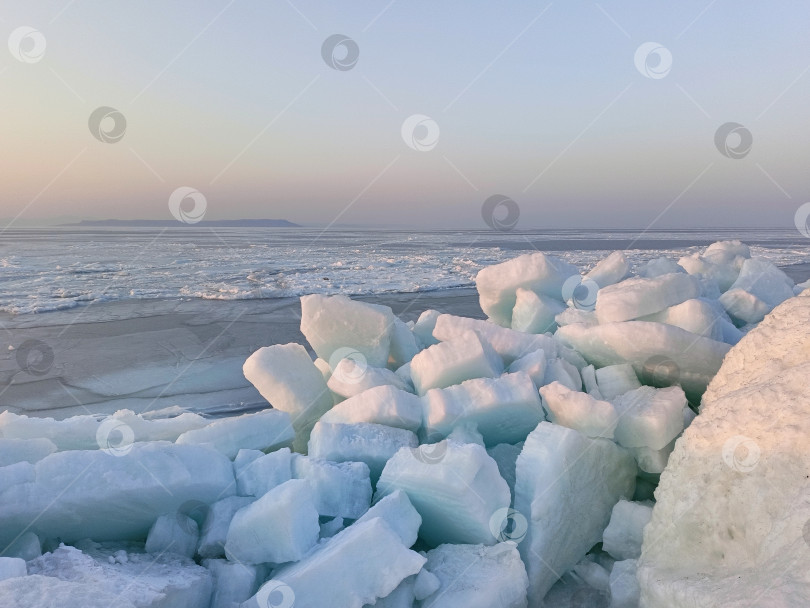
204 223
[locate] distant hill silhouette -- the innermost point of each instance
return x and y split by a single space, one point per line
175 223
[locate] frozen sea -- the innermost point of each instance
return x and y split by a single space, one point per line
43 270
147 319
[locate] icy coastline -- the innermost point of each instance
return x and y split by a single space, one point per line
511 462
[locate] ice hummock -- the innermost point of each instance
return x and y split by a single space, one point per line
509 510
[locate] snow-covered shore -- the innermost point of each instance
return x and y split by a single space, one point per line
443 463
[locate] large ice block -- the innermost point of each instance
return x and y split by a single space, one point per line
350 378
364 562
505 409
477 576
456 488
498 284
566 487
177 533
266 430
336 325
281 526
285 375
398 512
93 494
508 343
638 297
534 313
534 364
696 315
233 583
649 417
610 270
341 489
256 477
694 359
214 531
744 307
365 442
579 411
451 362
615 380
623 535
380 405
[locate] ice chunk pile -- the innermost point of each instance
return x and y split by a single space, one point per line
500 463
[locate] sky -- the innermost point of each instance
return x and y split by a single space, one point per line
586 115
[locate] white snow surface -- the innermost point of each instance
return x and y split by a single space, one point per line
730 525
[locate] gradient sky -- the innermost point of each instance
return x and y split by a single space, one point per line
540 102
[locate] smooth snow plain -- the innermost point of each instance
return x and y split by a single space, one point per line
452 462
